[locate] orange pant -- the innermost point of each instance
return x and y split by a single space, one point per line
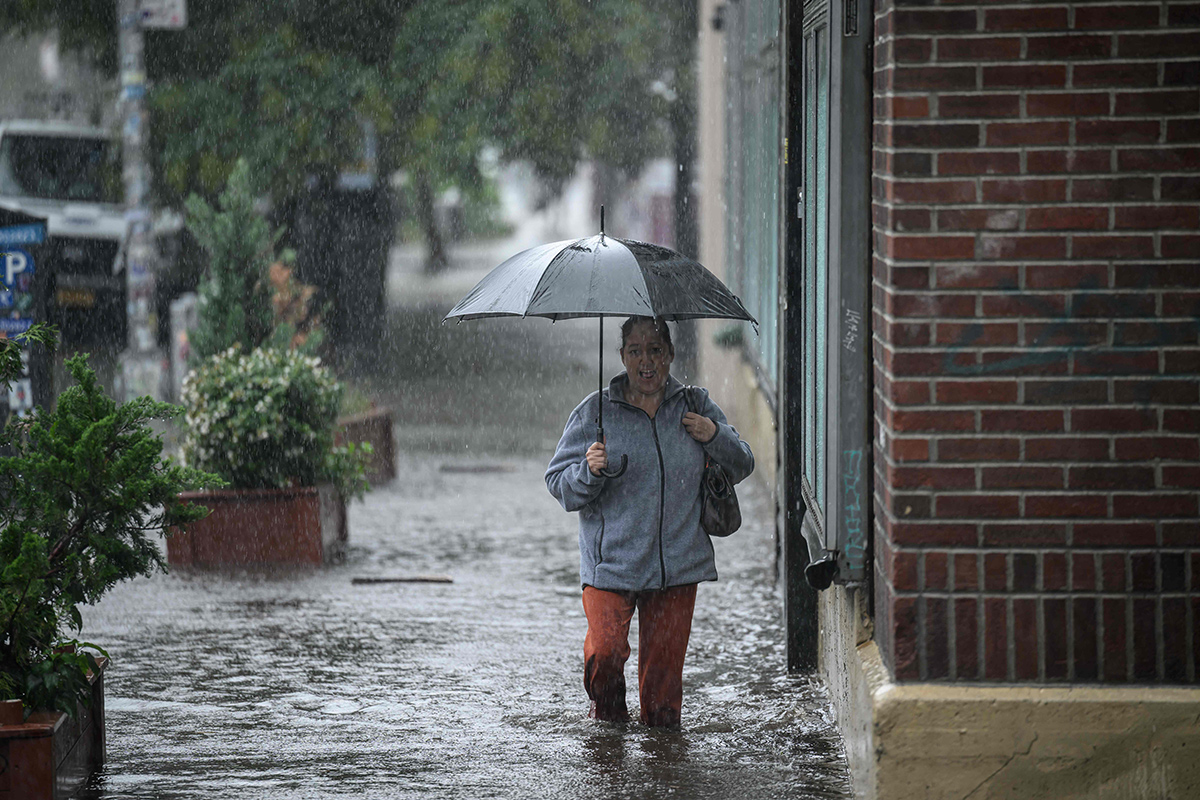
665 622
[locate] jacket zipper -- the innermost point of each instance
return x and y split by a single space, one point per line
662 490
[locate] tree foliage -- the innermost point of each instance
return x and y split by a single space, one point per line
84 490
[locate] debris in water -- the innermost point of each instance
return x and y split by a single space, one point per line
405 579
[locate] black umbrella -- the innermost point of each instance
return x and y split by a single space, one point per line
600 276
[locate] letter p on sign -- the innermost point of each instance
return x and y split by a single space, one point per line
15 263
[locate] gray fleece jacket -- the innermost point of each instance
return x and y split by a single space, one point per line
642 531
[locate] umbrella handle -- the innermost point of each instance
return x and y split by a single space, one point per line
619 471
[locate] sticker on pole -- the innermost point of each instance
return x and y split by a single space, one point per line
166 14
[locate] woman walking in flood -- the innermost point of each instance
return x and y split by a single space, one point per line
640 541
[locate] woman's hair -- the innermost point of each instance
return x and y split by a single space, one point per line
659 324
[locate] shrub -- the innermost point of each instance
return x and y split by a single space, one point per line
84 490
266 419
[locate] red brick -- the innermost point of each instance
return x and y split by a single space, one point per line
912 50
1068 334
1022 478
1174 647
1166 103
1180 188
1159 217
974 506
1180 246
995 639
1086 631
984 449
1156 334
1083 571
1183 131
935 135
1110 189
1159 159
1066 276
904 276
1114 534
1158 45
909 107
1105 246
1063 506
934 192
1119 420
1155 506
978 219
933 21
977 276
909 164
1181 477
1145 651
904 638
1167 391
1025 76
1067 104
1067 218
937 638
995 572
909 334
918 363
1025 19
1022 363
976 392
903 575
1054 622
1106 75
987 48
979 105
1185 362
936 571
911 219
1181 73
1181 304
1066 47
1025 639
1142 572
1016 134
1021 420
1054 572
1110 477
1024 534
932 248
1025 191
966 638
1115 666
1183 534
1065 392
1103 131
1024 572
1116 18
966 572
908 450
1112 572
931 477
976 334
1074 161
979 163
933 305
1023 247
1183 420
1116 362
1183 15
934 79
1071 448
934 534
1143 276
1149 448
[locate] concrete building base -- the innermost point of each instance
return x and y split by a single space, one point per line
953 741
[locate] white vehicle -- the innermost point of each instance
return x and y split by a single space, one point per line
69 174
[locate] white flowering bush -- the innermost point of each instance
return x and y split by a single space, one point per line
266 419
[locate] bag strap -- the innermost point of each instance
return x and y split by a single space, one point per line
690 396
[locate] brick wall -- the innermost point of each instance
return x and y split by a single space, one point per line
1036 206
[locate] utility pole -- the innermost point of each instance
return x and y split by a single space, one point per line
143 361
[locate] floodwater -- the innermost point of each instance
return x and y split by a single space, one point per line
304 684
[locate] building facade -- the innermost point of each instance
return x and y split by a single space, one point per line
971 232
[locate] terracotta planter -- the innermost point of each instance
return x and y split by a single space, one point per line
50 755
305 525
375 427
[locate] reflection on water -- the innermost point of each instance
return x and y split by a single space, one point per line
301 684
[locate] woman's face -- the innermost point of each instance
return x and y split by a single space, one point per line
647 358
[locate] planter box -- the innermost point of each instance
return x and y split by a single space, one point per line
375 427
50 756
305 525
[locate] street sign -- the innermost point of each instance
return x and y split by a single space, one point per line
164 14
34 233
15 263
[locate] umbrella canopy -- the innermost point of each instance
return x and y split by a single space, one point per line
600 276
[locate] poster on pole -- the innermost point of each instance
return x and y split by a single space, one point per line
164 14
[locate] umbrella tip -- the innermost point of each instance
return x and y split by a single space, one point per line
601 220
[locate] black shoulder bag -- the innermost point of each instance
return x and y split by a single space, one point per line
719 511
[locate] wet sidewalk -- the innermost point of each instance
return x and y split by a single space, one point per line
299 684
